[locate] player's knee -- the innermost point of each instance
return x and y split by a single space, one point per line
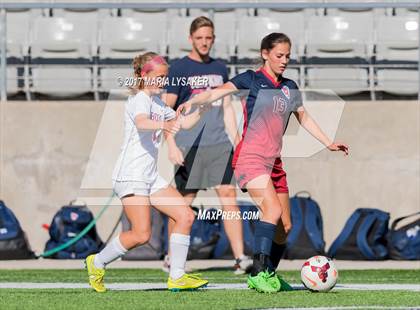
287 228
189 217
273 214
227 192
185 218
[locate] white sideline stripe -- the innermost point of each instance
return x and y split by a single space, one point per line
211 286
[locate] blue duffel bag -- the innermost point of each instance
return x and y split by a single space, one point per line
13 241
363 236
404 242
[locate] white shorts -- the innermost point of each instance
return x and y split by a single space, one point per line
139 188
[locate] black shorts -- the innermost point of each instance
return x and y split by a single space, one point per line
204 167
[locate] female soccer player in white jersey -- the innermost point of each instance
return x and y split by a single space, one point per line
257 163
137 183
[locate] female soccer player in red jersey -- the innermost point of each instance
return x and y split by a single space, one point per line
257 162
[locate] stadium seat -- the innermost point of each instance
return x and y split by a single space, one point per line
340 37
12 81
125 37
179 30
343 81
292 74
224 46
112 78
84 13
63 41
19 22
253 29
231 13
405 12
359 11
159 14
60 37
398 81
212 14
397 38
22 13
18 37
61 82
278 13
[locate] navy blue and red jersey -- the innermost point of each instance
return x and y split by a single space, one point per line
267 109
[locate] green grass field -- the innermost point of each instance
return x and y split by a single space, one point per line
203 299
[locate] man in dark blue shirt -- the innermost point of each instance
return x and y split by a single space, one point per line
204 157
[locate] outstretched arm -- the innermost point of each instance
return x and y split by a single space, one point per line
307 122
230 121
189 121
207 97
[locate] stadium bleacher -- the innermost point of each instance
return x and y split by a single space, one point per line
71 52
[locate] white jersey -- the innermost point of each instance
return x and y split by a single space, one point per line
139 153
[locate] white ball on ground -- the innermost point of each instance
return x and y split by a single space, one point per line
319 274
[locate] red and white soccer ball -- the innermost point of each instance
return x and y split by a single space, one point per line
319 274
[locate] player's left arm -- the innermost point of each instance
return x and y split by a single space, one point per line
174 153
307 122
229 118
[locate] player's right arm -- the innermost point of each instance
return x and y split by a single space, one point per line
207 97
241 81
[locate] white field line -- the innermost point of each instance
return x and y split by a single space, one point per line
211 286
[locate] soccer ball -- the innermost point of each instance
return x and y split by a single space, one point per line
319 274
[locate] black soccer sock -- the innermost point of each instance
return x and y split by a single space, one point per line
260 263
264 235
277 251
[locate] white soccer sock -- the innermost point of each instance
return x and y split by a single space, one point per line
179 245
111 252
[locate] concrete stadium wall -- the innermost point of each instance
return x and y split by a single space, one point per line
46 147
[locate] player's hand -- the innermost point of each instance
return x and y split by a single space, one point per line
184 108
172 126
175 156
339 147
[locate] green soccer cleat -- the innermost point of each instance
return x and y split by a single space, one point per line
96 275
262 282
274 281
284 286
279 284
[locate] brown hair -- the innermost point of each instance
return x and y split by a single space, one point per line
138 62
199 22
272 39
